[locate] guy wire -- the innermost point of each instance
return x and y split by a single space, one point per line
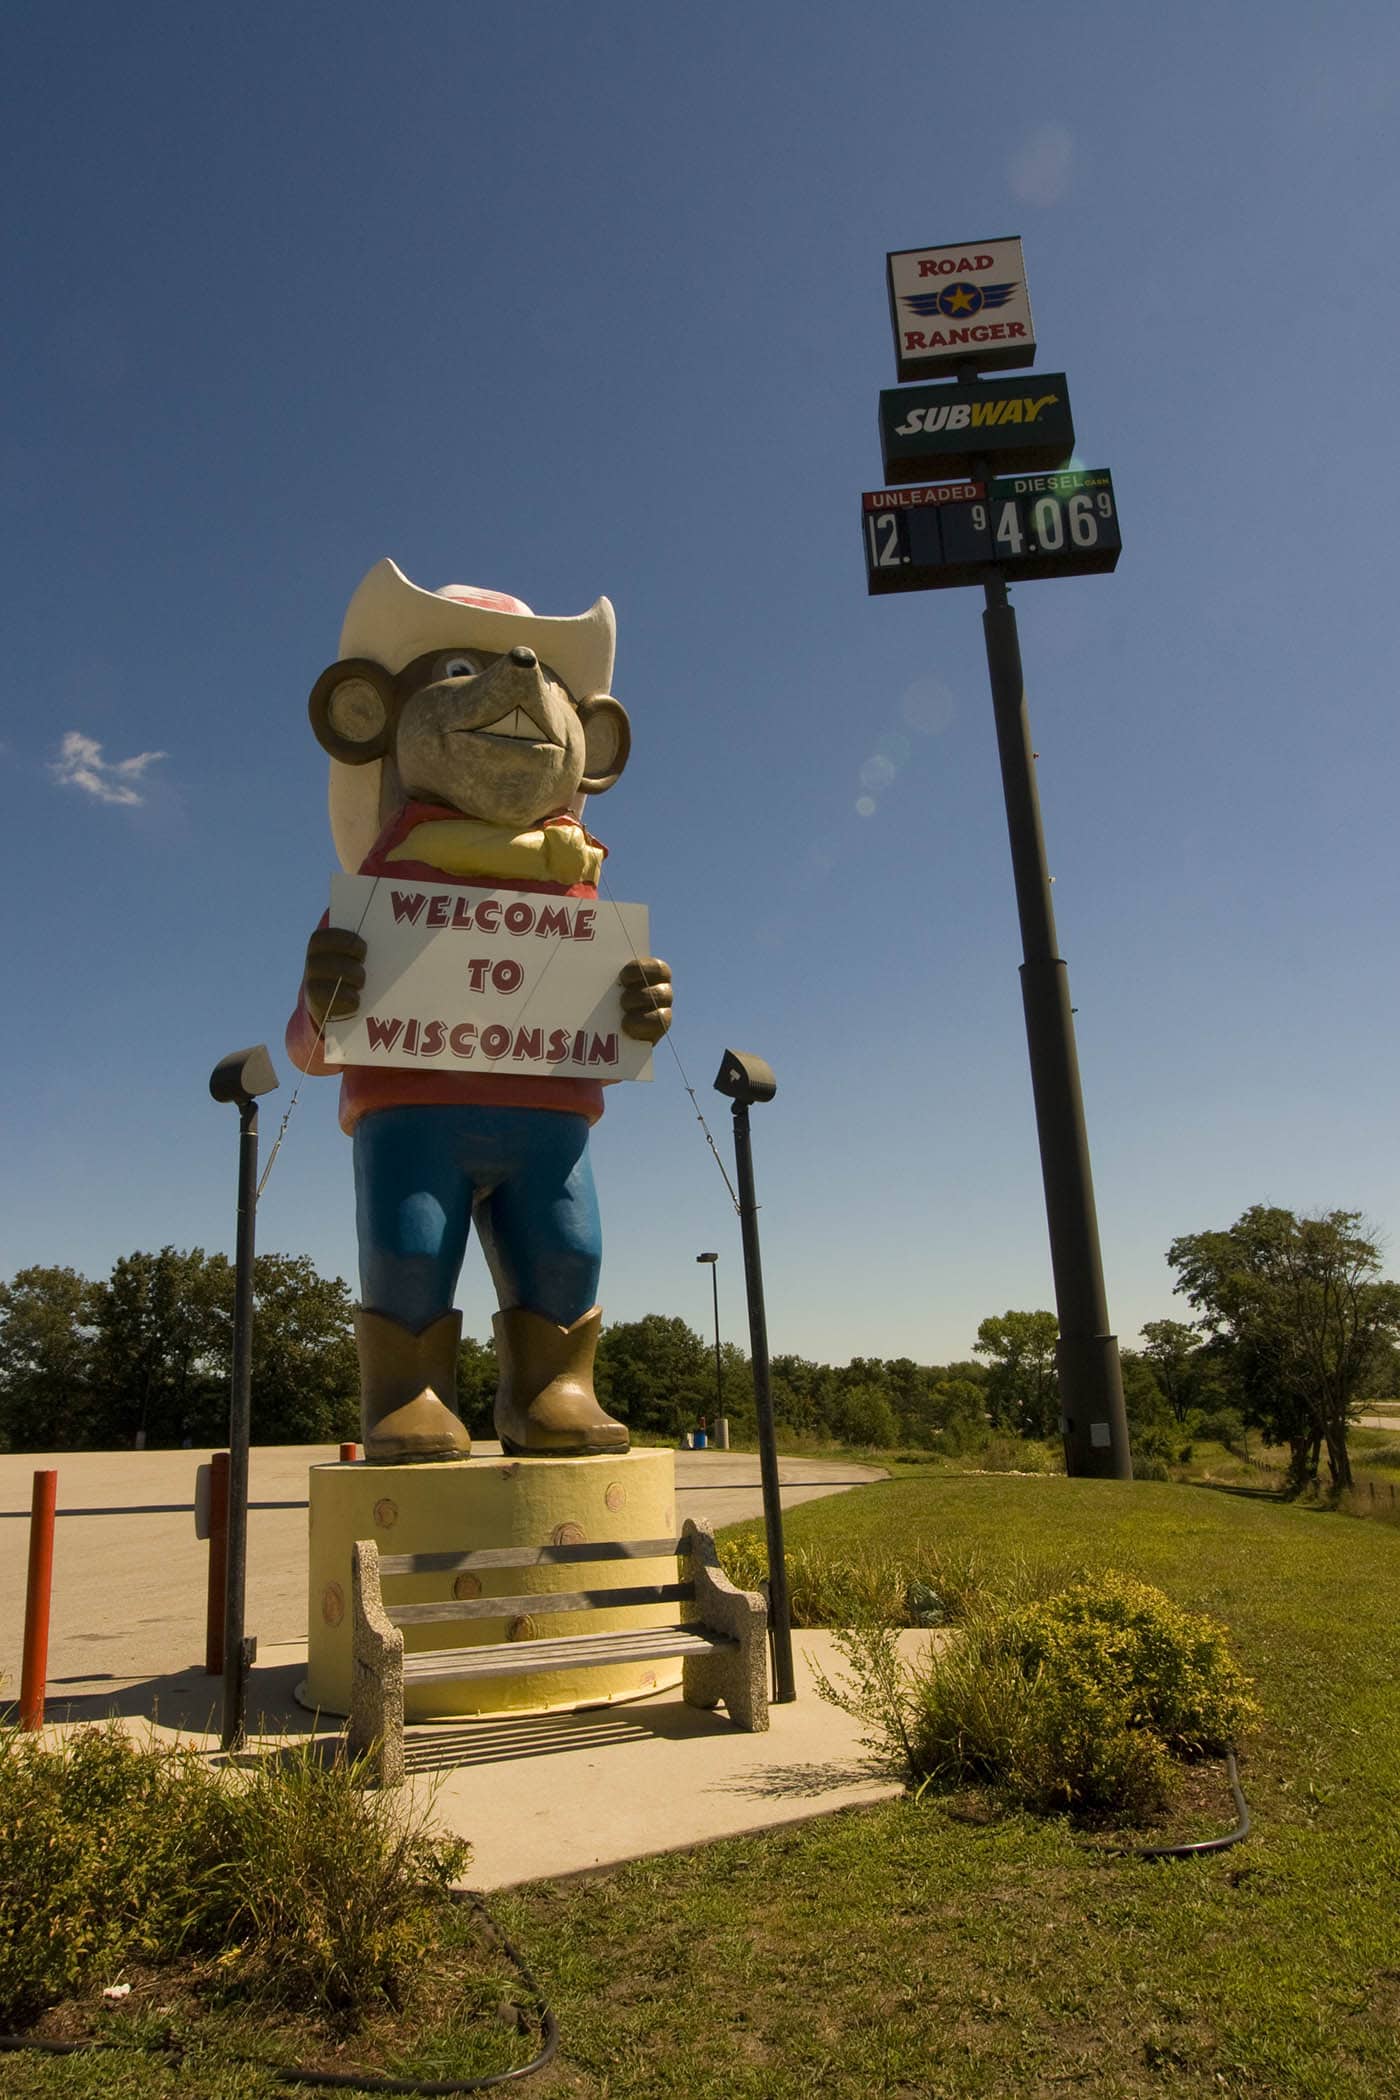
699 1114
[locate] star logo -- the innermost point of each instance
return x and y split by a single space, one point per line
957 301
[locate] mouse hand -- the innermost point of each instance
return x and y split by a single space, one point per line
334 975
646 999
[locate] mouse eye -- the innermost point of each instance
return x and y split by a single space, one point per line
458 667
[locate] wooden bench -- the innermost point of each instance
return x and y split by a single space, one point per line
719 1634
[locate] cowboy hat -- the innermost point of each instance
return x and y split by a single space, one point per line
391 621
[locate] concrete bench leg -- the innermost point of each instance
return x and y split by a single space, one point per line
737 1676
376 1672
728 1675
702 1680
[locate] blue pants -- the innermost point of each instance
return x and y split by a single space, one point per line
421 1176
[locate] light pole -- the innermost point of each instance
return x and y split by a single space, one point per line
240 1079
746 1080
713 1260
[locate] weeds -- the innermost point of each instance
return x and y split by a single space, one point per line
1004 1452
1366 1497
916 1584
293 1884
334 1896
1383 1455
829 1586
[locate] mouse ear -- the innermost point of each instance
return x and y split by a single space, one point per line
607 741
352 710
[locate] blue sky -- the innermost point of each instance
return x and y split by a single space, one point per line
567 301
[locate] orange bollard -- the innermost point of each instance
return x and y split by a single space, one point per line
349 1453
35 1668
218 1564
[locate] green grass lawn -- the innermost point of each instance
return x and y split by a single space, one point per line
941 1949
948 1948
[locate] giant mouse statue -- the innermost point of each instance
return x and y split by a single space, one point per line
464 733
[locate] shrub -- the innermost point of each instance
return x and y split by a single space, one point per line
1073 1703
962 1436
300 1886
105 1853
1222 1425
1170 1669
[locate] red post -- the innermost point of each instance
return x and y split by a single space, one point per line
35 1669
218 1564
349 1453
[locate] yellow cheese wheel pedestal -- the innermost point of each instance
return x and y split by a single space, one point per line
463 1506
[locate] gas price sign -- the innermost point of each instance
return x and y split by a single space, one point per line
1024 525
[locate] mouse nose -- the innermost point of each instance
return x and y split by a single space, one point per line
526 658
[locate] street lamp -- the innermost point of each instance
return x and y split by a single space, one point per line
713 1260
745 1081
239 1079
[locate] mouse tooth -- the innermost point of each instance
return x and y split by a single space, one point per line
517 723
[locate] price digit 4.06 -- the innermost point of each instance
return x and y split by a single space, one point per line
1008 534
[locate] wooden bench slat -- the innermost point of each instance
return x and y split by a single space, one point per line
537 1603
531 1556
584 1651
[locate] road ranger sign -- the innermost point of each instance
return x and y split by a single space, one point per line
1022 526
945 429
960 306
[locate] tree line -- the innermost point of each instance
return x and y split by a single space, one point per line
1294 1326
146 1356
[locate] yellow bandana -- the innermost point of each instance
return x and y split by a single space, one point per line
561 853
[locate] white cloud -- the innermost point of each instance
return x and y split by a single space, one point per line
1040 172
80 764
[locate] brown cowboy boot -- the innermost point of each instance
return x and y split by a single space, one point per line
545 1403
408 1384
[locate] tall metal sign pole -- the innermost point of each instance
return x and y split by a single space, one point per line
962 312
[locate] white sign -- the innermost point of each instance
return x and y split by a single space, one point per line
960 306
469 980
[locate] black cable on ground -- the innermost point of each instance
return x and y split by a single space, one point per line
294 2074
364 2081
1196 1846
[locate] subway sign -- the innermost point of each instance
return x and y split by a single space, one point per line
965 306
1020 526
1020 425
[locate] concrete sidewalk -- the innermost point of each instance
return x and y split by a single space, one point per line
541 1796
536 1795
548 1796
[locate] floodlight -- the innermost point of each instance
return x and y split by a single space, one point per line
745 1079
